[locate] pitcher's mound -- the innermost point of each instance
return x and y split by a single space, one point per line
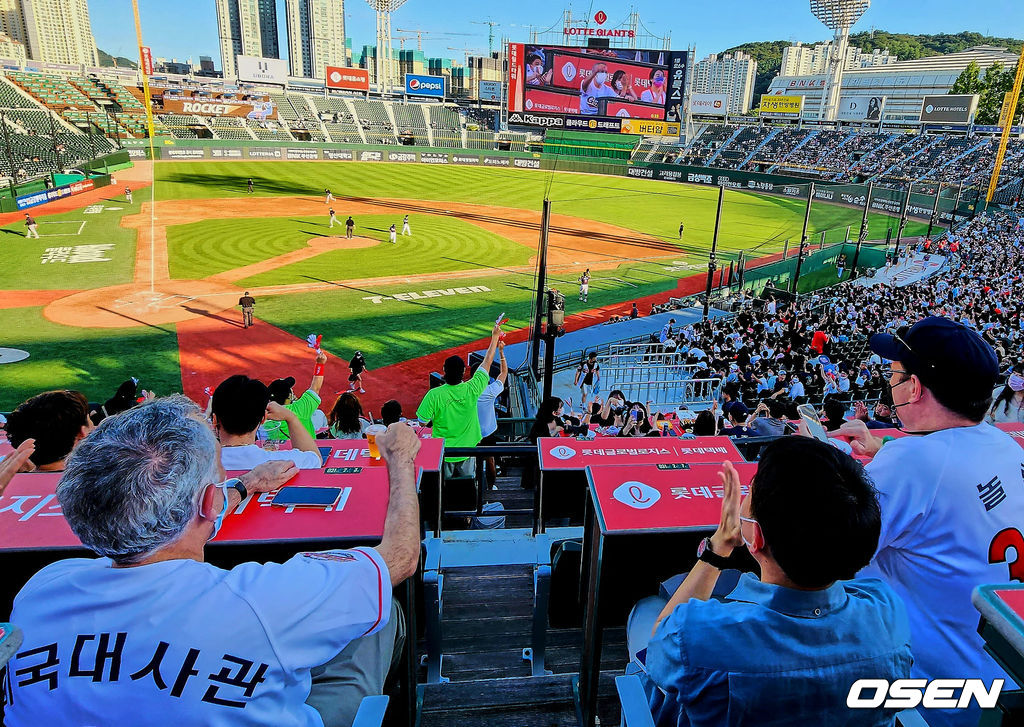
127 306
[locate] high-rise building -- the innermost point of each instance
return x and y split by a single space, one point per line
246 28
732 74
52 31
316 36
809 60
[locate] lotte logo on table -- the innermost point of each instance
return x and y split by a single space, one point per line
636 495
562 452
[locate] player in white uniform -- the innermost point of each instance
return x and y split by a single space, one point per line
392 234
406 230
952 499
333 217
585 285
328 197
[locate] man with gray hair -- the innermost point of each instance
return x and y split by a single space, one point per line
151 634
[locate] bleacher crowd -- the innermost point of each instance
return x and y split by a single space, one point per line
146 485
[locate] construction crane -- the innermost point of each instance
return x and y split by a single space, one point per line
467 51
490 32
420 33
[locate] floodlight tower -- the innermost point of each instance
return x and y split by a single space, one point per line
838 16
385 67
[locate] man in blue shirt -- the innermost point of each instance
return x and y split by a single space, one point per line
783 649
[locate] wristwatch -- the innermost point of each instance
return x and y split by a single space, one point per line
707 555
237 484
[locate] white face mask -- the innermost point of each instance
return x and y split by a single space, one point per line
600 77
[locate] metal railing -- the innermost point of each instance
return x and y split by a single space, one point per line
675 393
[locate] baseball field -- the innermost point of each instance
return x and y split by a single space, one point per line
111 290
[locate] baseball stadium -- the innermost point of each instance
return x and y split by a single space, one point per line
315 333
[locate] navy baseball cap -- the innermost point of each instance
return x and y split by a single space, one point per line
737 408
281 389
943 353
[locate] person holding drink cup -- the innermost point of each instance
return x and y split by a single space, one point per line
372 432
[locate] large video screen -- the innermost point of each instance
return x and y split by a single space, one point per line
593 88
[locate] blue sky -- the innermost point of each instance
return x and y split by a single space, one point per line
188 28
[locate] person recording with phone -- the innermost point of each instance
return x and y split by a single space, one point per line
176 640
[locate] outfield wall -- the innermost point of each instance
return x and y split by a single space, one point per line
883 200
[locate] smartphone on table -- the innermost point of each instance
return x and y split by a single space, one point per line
306 496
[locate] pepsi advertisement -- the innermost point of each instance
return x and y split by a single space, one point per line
417 85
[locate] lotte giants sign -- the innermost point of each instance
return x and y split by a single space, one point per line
600 17
348 79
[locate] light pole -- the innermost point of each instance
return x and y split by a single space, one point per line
384 67
838 16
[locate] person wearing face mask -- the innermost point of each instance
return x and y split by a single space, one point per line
656 93
295 643
951 496
1008 404
535 73
595 87
722 640
623 85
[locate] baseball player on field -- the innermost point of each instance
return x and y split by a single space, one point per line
393 234
328 197
334 219
128 194
405 226
585 285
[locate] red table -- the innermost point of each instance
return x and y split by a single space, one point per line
30 517
655 499
566 459
639 500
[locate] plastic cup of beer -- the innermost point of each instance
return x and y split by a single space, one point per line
372 432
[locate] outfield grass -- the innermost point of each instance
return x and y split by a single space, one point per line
750 221
21 266
437 244
94 361
393 331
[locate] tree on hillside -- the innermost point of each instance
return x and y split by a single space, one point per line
991 88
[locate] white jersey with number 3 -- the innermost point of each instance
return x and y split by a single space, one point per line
952 515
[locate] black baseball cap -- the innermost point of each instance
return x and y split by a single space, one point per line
281 389
944 354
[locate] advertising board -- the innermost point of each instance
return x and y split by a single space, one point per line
489 91
595 82
258 110
709 104
418 85
781 107
950 109
860 108
347 79
262 70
